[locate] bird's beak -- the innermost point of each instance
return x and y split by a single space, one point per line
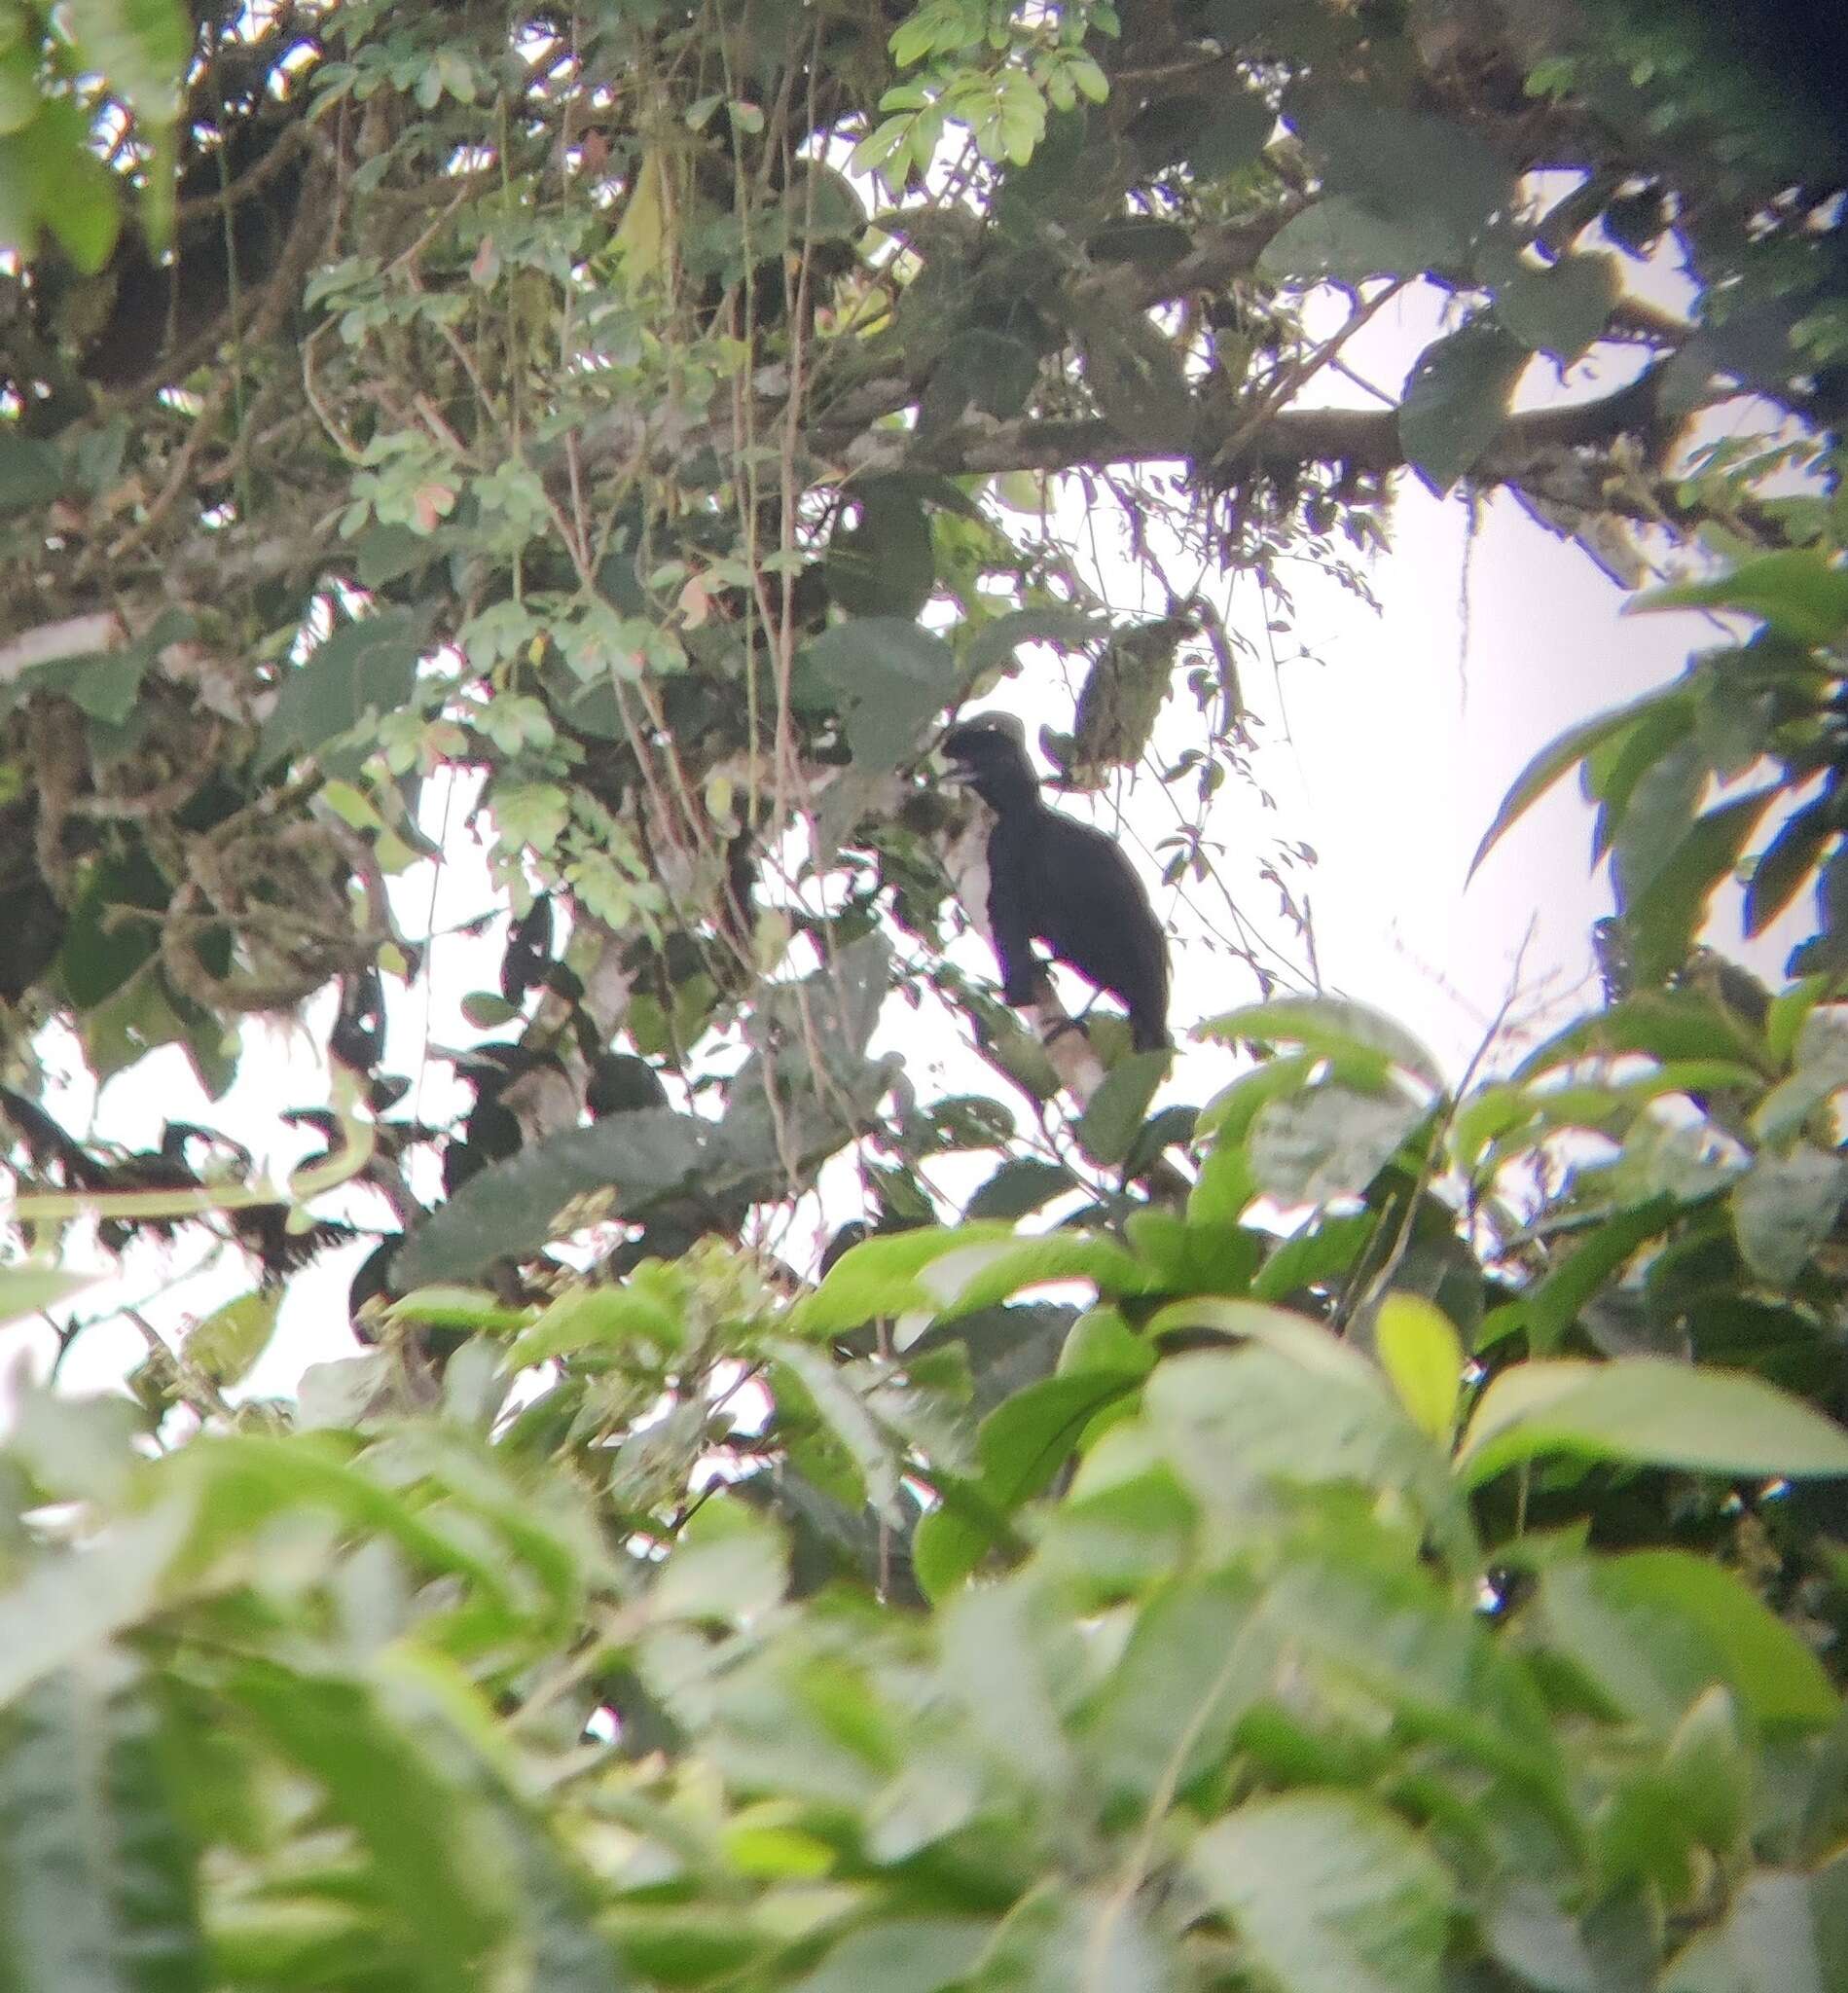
960 773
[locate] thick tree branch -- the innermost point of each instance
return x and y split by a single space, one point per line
1364 438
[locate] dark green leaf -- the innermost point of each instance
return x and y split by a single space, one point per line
1341 239
1021 1445
1562 310
509 1208
1787 862
1405 163
366 667
1669 915
892 677
1551 1306
1615 767
1319 1252
32 471
1645 829
1230 134
1107 1128
882 565
979 369
1023 1184
1457 400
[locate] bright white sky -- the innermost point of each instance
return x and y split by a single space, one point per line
1387 745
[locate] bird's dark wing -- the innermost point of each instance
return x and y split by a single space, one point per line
1013 878
1091 909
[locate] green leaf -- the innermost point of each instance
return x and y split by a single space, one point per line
1328 1142
230 1338
1550 1307
86 218
1021 1445
1298 1407
600 1319
140 47
1669 1025
473 1310
380 1782
1562 310
978 369
1232 133
364 666
1820 1069
987 1274
727 1563
901 1955
1798 592
1787 862
1783 1933
29 1288
882 565
1340 239
1657 1629
1785 1206
1326 1025
509 1208
1022 1185
1168 1711
1646 820
880 1276
1651 1412
32 471
97 1871
891 676
1419 1352
1136 376
1667 917
1405 163
1108 1129
1319 1252
1331 1893
1571 748
60 1608
1457 400
994 643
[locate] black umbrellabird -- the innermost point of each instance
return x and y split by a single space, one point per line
1053 879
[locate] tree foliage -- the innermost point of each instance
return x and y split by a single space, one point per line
1443 1587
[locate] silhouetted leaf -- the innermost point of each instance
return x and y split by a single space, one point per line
1456 399
882 565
